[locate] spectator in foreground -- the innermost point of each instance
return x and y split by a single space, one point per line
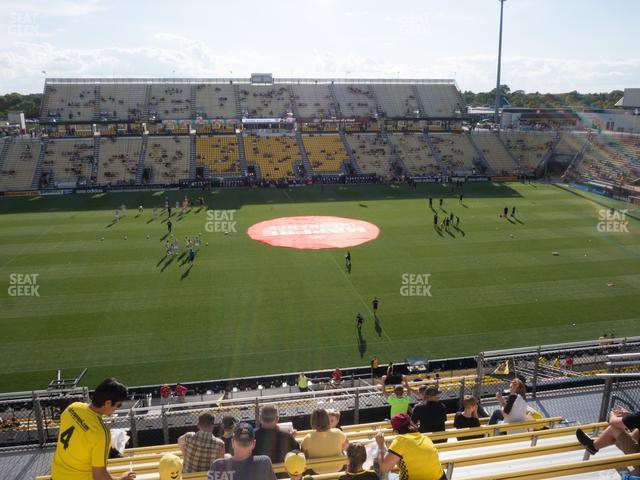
357 455
243 465
228 426
323 441
270 440
201 448
468 417
84 441
622 432
514 408
415 453
430 415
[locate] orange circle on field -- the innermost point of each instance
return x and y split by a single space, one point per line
313 232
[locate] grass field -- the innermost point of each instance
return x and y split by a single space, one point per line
245 308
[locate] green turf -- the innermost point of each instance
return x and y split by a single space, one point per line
246 308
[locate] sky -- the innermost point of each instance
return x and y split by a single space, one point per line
549 45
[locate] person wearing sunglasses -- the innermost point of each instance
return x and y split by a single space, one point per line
84 441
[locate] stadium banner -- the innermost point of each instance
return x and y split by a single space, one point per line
478 179
504 179
28 193
54 192
263 120
89 190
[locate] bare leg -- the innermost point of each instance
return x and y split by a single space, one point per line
606 438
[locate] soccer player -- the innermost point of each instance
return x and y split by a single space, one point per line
169 248
169 225
359 321
505 212
124 210
457 221
116 216
451 217
461 198
155 212
140 209
441 200
446 223
430 201
513 211
374 305
435 220
176 246
347 259
197 243
84 440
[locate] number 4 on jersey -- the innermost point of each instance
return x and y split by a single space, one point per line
66 436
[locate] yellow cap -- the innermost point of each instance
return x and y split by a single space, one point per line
295 463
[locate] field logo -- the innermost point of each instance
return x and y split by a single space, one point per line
220 221
23 285
415 285
23 23
613 221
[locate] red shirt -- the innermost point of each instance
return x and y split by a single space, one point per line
336 375
181 390
165 391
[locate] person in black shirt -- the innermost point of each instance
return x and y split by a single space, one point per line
270 440
620 420
359 321
169 225
468 418
374 304
228 424
435 220
430 415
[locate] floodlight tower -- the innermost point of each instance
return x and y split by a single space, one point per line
496 118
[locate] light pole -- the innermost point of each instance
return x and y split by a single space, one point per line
496 118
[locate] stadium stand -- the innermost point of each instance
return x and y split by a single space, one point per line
397 100
415 153
570 144
326 153
19 164
122 101
355 100
264 101
455 150
372 153
495 153
215 101
170 101
313 101
602 162
275 155
219 154
168 159
440 100
119 159
68 161
529 148
67 102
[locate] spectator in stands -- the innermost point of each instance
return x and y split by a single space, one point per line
430 415
375 364
270 440
295 465
243 465
334 418
323 441
228 426
82 452
303 382
415 453
623 432
398 401
357 455
468 417
201 448
336 377
181 392
165 394
514 408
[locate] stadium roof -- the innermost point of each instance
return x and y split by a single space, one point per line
631 98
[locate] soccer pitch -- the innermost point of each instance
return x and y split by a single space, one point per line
245 308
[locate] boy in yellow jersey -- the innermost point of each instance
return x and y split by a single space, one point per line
413 452
84 441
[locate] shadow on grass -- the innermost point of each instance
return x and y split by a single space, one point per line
185 274
362 344
166 264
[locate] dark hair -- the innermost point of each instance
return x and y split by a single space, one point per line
357 455
109 389
206 420
320 420
228 421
